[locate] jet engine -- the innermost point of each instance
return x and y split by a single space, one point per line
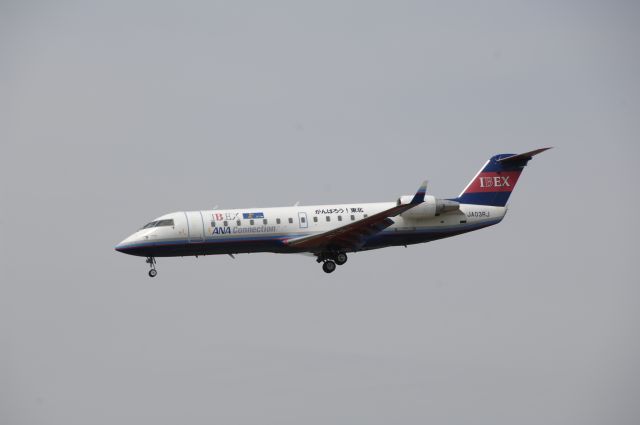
431 207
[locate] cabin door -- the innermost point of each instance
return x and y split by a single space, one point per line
195 226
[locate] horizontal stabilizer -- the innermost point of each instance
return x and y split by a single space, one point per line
522 156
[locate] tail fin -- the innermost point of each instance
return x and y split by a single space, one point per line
495 181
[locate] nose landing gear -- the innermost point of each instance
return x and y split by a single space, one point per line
152 263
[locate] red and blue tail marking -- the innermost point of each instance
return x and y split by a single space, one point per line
493 184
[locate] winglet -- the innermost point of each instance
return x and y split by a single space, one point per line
418 198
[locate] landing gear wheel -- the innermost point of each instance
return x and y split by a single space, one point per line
341 258
329 266
151 261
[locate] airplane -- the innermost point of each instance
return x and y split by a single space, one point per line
331 232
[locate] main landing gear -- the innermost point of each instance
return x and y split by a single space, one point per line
341 258
152 263
331 260
329 266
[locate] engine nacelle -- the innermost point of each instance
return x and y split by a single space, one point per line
429 208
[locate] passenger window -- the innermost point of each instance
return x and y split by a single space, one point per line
290 220
315 219
264 221
226 223
339 218
251 222
328 218
277 221
213 224
238 222
353 217
366 215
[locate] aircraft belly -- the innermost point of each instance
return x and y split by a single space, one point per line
395 237
207 247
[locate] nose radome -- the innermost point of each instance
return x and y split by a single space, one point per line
125 245
121 247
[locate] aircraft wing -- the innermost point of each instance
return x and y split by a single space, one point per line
353 235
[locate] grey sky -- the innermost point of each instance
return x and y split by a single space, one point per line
113 113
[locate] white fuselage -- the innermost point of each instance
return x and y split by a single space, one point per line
265 229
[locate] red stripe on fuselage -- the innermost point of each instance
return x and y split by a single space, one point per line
502 181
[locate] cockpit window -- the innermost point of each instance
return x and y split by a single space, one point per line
158 223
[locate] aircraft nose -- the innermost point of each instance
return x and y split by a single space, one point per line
121 247
125 246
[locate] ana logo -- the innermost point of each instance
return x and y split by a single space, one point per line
221 230
497 181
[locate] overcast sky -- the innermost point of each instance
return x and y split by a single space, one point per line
115 112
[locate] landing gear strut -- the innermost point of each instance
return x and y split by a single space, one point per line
152 263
